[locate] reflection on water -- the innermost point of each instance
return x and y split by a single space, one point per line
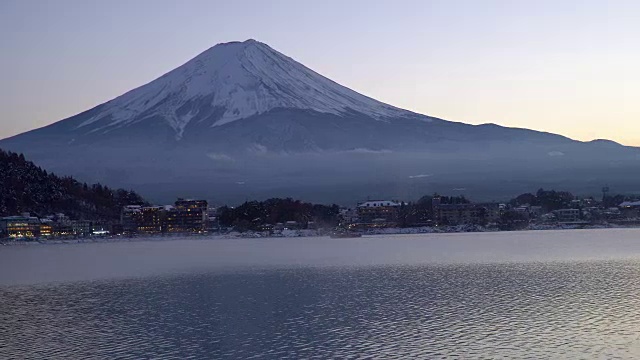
517 310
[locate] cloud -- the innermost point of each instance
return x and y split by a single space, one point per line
220 157
419 176
368 151
258 148
555 153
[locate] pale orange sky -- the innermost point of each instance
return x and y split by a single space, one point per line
567 67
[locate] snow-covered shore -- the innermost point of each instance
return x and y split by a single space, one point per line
299 233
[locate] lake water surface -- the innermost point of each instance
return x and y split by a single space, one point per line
537 294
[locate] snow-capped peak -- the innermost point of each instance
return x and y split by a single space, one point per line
233 81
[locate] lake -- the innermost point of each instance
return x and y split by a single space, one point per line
536 294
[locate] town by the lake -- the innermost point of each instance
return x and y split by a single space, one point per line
287 217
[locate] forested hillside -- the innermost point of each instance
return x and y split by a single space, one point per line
25 187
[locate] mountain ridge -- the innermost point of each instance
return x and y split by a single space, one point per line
241 118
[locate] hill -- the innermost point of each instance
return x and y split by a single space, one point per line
25 187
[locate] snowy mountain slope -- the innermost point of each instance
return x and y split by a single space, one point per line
242 120
234 81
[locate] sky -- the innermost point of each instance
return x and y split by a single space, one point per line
567 67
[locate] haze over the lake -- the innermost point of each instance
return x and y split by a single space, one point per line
564 67
514 295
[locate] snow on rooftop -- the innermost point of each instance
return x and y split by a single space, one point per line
376 203
630 204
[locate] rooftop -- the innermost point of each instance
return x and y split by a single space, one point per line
376 203
630 204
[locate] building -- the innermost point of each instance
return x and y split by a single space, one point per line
535 212
151 219
630 209
26 226
62 228
458 214
349 216
183 216
81 227
212 219
20 226
386 210
379 212
188 216
567 215
130 218
46 227
292 225
492 211
100 228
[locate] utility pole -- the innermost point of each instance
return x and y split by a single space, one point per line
605 190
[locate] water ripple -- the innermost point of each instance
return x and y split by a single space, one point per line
526 311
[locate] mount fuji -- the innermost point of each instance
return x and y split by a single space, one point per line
242 120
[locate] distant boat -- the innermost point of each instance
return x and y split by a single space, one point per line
345 235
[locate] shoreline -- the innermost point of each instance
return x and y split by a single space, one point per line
303 233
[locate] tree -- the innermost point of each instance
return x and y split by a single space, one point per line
25 187
512 220
550 200
524 199
615 200
252 215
